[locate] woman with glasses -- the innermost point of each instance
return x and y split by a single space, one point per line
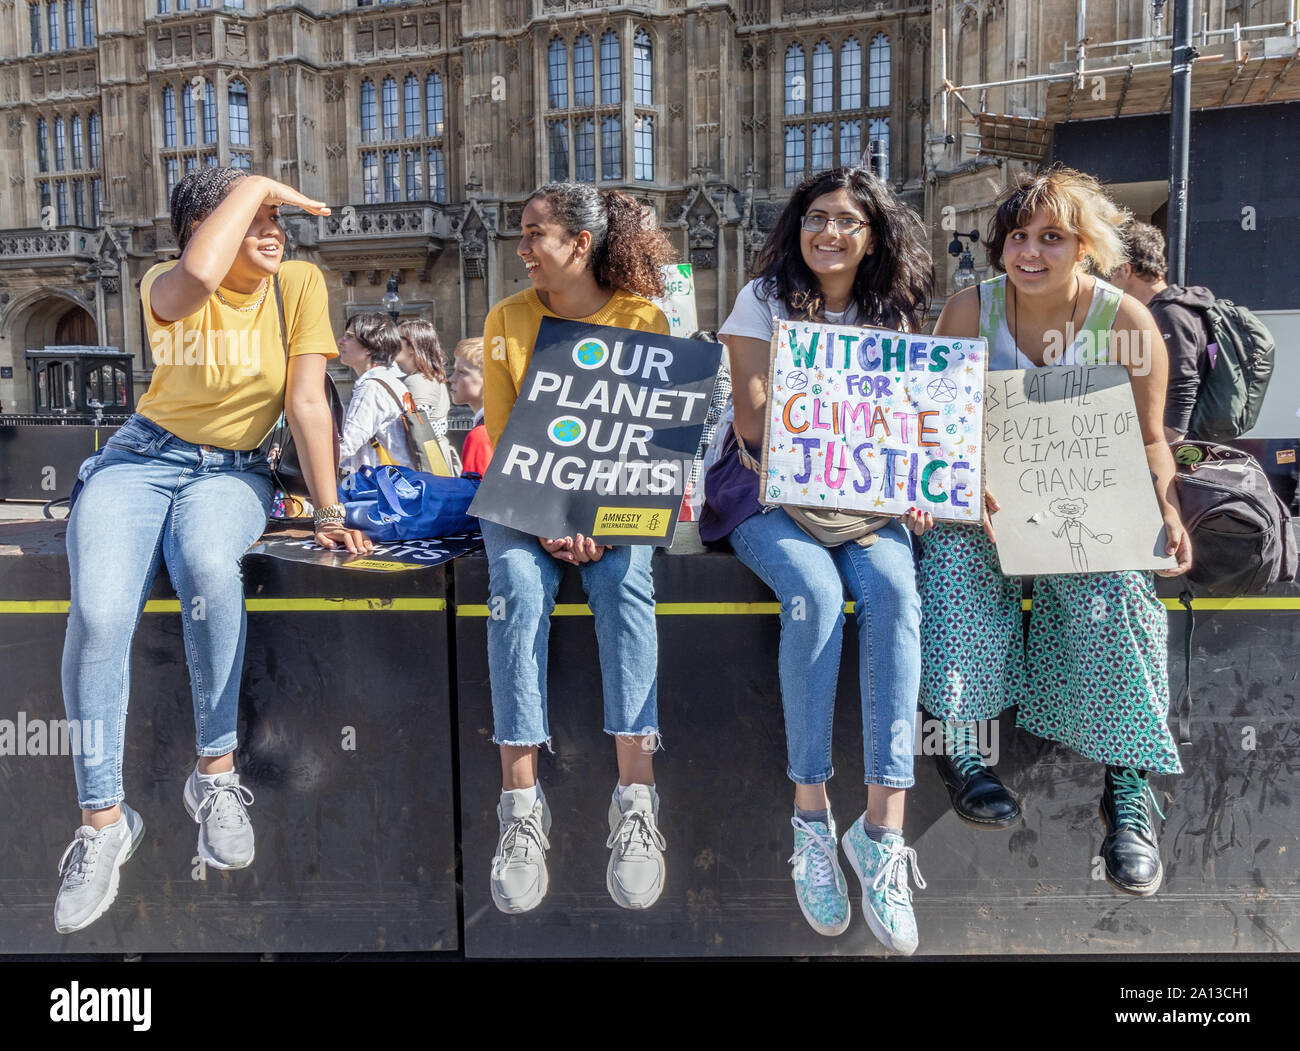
844 252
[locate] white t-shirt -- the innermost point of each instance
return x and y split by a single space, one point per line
752 315
373 412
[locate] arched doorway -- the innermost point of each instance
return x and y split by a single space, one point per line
75 328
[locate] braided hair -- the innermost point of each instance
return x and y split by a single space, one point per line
197 195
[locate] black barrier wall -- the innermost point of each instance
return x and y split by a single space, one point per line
1228 846
357 841
40 461
345 742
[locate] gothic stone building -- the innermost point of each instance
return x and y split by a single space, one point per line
426 125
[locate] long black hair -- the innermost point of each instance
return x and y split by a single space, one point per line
894 283
197 195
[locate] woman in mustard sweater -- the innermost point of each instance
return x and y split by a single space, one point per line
184 480
590 258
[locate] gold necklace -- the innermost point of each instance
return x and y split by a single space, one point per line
251 306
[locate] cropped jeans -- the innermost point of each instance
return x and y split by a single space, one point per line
523 580
149 496
809 579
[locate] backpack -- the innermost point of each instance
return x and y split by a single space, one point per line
1242 539
1229 400
427 452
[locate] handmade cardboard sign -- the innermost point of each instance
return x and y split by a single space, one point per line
678 300
1066 461
874 420
602 436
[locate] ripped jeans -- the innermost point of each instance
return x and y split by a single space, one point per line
523 580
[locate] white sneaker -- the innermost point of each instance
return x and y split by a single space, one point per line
90 868
225 830
636 872
519 877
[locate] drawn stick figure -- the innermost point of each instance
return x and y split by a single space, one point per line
1072 510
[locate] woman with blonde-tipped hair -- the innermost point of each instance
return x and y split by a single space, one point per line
1097 684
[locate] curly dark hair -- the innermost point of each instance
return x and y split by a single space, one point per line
378 334
196 196
894 283
1145 247
626 253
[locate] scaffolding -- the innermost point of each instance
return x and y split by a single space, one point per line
1239 65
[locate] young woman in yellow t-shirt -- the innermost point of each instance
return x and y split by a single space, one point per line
184 481
590 257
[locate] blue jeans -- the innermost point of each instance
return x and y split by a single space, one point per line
148 496
809 580
523 580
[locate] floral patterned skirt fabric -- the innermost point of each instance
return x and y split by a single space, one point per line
1091 675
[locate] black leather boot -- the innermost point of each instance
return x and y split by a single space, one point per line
978 796
1130 851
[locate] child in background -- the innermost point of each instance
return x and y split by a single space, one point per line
466 383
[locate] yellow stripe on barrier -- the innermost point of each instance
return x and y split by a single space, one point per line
260 605
581 609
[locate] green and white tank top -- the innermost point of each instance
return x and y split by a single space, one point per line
1091 340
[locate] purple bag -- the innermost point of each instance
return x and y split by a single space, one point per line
730 493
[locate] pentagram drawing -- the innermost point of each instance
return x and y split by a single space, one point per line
942 390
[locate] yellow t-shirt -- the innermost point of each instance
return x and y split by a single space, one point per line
512 326
219 374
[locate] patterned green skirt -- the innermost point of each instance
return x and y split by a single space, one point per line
1092 674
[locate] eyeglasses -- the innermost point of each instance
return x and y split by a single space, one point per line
815 224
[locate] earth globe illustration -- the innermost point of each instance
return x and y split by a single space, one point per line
590 354
567 431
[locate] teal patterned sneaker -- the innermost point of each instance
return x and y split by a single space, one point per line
819 883
886 897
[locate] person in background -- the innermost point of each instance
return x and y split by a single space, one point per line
369 347
467 389
1179 313
425 376
591 257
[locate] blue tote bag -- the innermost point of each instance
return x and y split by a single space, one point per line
400 503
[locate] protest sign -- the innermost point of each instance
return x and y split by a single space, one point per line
602 436
385 558
678 300
1066 461
873 420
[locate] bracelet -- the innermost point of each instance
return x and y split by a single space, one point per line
331 515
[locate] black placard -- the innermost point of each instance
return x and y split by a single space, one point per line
602 437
